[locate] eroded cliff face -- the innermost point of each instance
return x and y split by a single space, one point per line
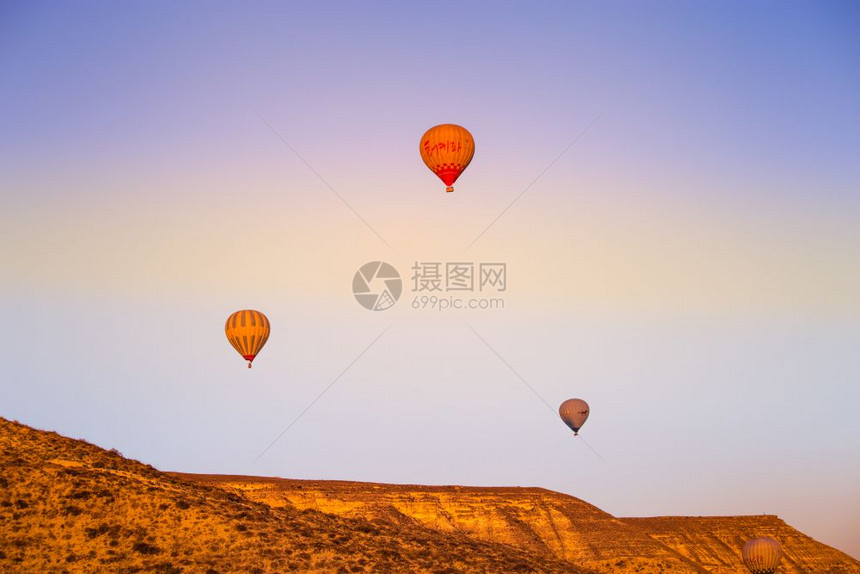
552 524
69 506
533 519
715 543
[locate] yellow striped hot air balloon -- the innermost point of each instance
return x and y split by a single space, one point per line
247 331
762 555
447 150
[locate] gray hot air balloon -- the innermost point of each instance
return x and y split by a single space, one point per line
762 555
574 412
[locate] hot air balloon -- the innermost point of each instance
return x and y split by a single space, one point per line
574 412
247 331
762 555
447 150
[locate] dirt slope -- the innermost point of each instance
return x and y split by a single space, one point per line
537 520
69 506
550 523
715 542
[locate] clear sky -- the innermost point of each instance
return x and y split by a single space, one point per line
690 266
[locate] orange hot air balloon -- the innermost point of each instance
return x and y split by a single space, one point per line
447 150
247 331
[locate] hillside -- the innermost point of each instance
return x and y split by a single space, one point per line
69 506
550 524
537 520
710 541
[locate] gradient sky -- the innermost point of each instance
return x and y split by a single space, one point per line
690 266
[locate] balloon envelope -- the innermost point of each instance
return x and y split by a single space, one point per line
574 412
762 555
247 331
447 150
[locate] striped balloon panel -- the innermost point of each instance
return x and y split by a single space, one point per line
574 412
762 555
447 150
247 331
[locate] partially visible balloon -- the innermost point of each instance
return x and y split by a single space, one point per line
762 555
447 150
574 412
247 331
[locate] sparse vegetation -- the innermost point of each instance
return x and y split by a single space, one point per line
145 548
68 506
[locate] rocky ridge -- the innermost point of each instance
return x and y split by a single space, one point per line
69 506
548 523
